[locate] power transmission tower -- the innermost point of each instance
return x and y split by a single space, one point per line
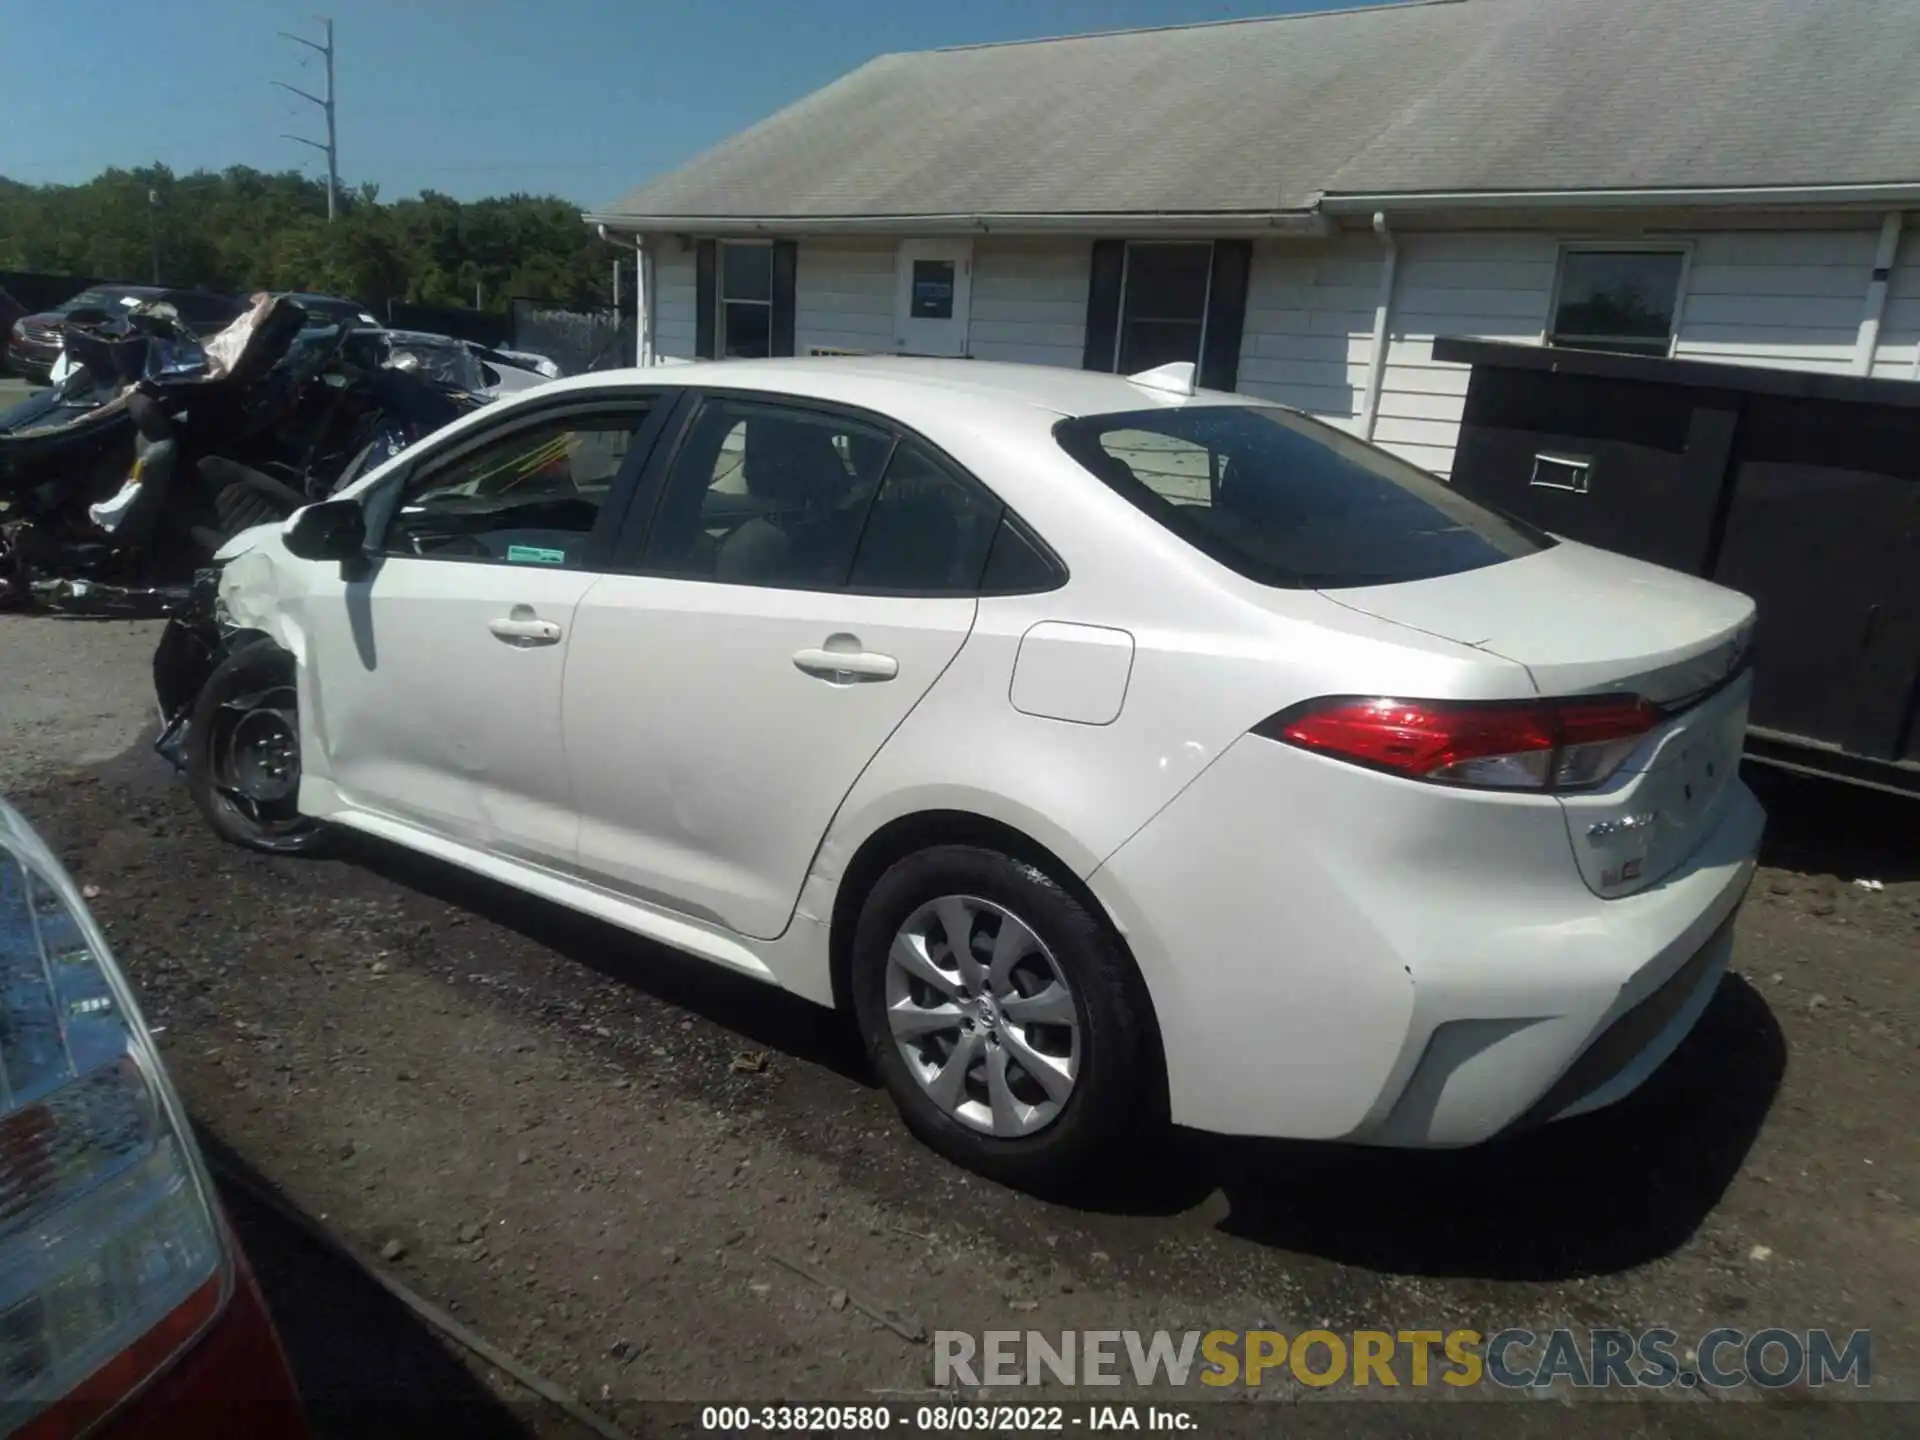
331 149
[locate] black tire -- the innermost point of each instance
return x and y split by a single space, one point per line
254 687
1114 1112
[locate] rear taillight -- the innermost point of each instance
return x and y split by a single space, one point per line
1507 745
111 1257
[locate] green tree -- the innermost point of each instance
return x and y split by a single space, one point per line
242 229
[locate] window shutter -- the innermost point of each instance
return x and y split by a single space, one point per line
706 298
786 262
1103 303
1226 313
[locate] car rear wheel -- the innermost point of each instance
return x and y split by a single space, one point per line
243 753
1004 1018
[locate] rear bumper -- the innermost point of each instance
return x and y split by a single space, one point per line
1630 1047
1337 954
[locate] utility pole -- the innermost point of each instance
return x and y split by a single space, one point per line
153 230
331 149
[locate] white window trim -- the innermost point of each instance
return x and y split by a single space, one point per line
1126 275
1604 245
720 298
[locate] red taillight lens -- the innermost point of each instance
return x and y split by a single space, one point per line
112 1257
1525 745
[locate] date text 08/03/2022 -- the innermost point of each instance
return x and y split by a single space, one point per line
944 1419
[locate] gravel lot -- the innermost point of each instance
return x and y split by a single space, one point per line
593 1150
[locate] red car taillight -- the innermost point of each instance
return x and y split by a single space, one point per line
1508 745
112 1259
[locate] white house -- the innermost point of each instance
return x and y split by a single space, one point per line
1301 204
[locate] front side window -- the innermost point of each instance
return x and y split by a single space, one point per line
767 494
1622 300
529 498
1163 304
746 301
1288 501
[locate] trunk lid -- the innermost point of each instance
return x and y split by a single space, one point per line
1581 620
1585 621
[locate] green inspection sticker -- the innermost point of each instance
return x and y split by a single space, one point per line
536 555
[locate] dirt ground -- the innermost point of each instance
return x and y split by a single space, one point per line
598 1154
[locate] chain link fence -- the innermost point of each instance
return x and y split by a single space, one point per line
579 341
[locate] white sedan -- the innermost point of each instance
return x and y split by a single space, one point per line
1113 752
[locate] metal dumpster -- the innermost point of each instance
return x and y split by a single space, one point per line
1800 488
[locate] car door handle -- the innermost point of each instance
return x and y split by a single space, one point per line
525 633
846 667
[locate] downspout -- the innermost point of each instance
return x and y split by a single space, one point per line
1382 311
642 293
1868 342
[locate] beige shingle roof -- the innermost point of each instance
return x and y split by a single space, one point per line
1268 115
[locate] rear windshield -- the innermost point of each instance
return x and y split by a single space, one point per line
1288 501
111 301
198 309
325 310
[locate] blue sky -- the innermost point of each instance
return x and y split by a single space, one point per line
581 98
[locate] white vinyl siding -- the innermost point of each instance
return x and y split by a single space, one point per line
675 300
1309 331
1780 298
1785 299
1030 300
843 296
1480 285
1900 321
1309 326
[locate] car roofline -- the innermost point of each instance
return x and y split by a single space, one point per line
838 378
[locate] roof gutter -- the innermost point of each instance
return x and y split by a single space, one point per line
1215 224
1736 197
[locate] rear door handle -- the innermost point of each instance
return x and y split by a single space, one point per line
523 633
846 667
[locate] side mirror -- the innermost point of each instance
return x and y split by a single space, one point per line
332 530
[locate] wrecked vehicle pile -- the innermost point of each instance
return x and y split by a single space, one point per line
122 480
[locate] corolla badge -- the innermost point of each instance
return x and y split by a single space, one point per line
1622 825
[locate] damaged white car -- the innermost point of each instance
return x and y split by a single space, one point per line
1114 752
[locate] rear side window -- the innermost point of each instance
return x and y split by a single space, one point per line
767 494
928 531
1288 501
1018 564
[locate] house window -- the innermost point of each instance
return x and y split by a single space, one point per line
932 297
1623 300
745 300
1163 304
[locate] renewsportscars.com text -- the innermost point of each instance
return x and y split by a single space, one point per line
1515 1359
